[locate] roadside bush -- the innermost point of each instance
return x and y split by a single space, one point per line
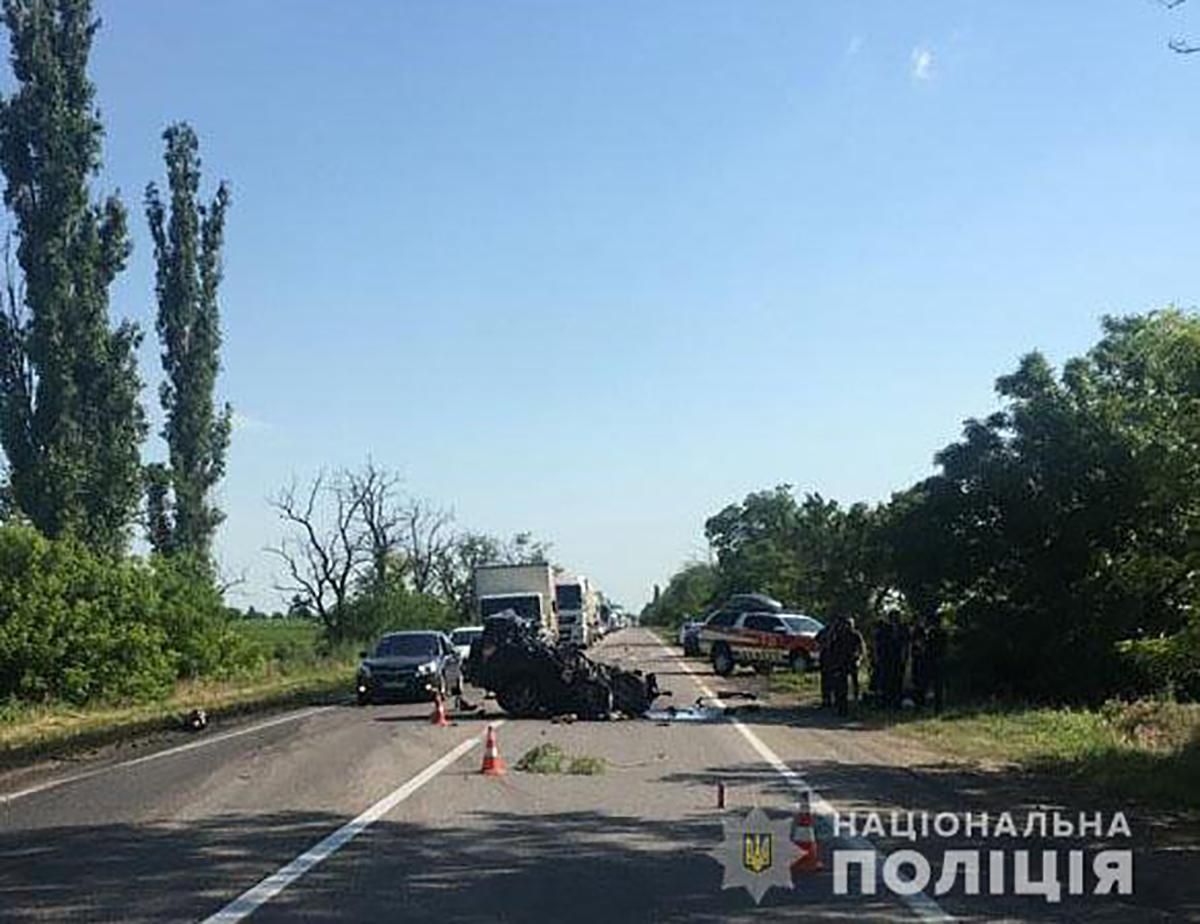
375 611
1162 666
81 627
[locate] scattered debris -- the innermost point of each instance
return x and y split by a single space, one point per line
587 766
549 758
544 758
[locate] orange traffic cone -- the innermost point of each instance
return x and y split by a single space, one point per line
439 712
803 836
493 763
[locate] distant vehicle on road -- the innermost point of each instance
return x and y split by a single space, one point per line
408 666
462 637
689 637
578 610
762 637
527 590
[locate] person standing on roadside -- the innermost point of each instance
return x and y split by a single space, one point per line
841 640
879 658
935 653
920 664
856 645
823 639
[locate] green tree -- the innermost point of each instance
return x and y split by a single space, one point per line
1069 520
187 252
70 418
689 593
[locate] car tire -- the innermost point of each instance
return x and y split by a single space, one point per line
519 698
722 660
363 699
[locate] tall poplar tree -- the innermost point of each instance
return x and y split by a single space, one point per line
187 251
70 418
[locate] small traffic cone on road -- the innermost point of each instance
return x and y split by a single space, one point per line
439 712
805 839
493 763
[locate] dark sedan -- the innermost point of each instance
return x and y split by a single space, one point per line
407 666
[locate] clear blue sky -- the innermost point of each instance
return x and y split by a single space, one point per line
596 269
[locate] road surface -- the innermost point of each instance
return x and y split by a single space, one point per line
352 814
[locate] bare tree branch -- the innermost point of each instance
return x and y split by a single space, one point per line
322 556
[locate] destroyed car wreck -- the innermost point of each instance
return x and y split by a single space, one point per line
533 679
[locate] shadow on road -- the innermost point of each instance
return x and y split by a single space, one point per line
491 866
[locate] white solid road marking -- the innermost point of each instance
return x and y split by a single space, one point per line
920 904
249 901
5 798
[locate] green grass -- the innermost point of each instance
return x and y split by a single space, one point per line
286 642
292 673
805 686
1144 751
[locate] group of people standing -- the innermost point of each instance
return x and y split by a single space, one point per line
895 645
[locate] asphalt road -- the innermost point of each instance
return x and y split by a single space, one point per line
356 814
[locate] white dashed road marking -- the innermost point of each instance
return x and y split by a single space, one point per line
920 904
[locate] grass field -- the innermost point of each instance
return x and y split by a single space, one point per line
1144 751
293 673
1147 751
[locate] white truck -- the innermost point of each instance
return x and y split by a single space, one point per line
527 590
578 609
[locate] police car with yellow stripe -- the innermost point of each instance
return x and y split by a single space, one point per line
754 629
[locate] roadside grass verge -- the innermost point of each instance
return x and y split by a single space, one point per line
805 686
29 732
291 672
1146 751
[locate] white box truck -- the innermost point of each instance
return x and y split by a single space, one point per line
527 590
578 609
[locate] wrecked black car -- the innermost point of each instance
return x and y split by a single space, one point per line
532 678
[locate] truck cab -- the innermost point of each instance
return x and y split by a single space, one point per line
577 610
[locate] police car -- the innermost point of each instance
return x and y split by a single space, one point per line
755 630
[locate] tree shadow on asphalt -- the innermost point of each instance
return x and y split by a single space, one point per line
1167 888
490 866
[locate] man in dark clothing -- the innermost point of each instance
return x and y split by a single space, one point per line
823 643
935 657
879 659
896 661
920 665
840 645
856 646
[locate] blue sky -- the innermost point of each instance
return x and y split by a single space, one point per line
597 269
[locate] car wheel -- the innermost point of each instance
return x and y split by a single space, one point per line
799 663
363 697
519 698
722 660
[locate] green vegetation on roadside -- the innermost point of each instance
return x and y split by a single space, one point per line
1145 751
1055 541
285 668
28 731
